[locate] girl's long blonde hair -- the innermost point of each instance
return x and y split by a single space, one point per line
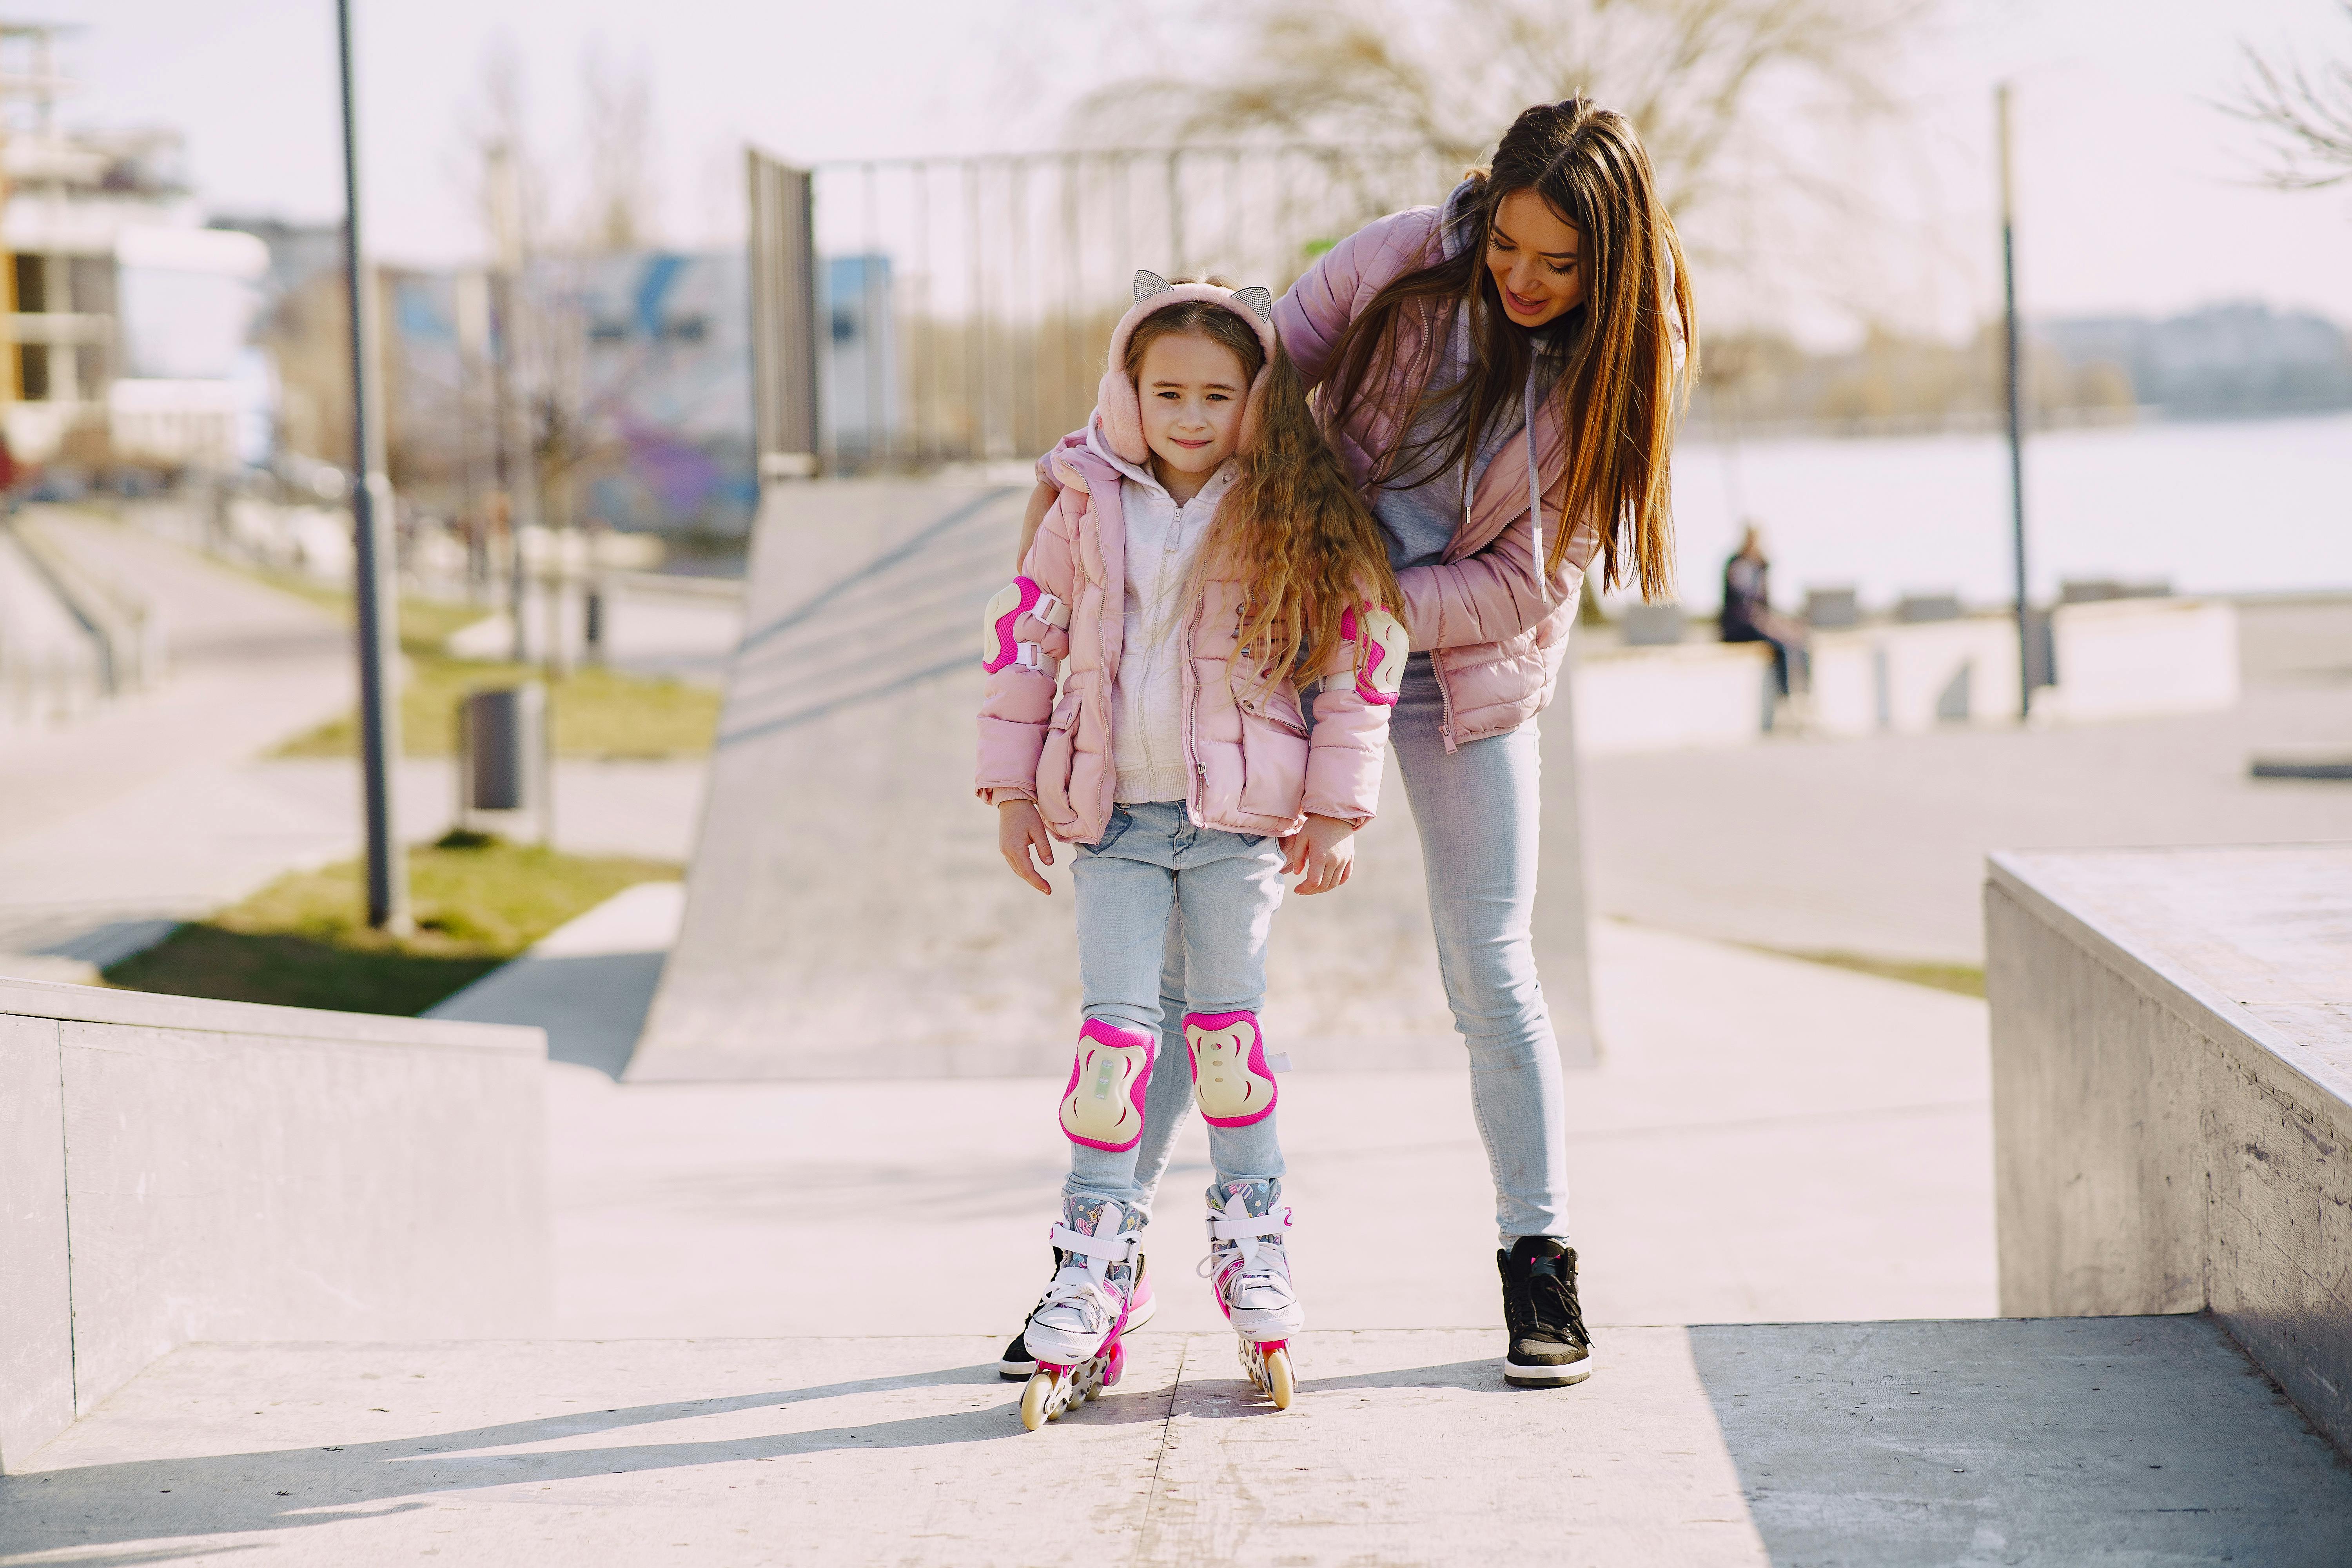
1620 382
1292 533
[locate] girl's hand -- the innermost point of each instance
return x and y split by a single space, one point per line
1325 849
1019 830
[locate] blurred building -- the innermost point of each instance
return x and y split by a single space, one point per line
858 407
663 389
127 323
2233 359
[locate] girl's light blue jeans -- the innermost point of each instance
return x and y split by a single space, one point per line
1172 919
1478 813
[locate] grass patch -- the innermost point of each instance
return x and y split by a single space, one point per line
304 941
1960 979
598 712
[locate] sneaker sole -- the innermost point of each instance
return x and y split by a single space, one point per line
1520 1376
1006 1367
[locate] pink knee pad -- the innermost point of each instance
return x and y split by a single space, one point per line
1230 1074
1103 1105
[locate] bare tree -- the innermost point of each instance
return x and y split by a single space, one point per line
621 199
2308 113
1711 84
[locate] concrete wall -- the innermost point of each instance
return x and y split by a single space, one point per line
2172 1095
175 1170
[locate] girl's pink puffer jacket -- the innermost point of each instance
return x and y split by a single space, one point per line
1496 632
1251 764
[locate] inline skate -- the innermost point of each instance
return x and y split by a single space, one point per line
1249 1267
1074 1332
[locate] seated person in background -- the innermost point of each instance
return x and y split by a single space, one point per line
1748 613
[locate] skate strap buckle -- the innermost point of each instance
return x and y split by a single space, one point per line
1249 1226
1029 655
1117 1248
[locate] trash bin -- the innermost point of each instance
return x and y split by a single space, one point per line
502 752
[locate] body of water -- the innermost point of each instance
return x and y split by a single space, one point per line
2256 506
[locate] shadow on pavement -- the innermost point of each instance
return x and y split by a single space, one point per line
293 1489
2019 1440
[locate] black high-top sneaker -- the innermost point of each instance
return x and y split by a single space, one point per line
1548 1345
1017 1362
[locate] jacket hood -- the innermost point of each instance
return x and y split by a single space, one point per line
1118 411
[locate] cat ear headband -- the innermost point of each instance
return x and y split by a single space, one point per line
1120 412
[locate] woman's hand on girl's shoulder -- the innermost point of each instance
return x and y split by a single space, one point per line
1324 850
1020 830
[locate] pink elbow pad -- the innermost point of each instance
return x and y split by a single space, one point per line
999 647
1381 645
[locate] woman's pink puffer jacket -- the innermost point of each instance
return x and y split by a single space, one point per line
1497 633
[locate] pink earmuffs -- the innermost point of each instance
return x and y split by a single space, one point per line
1117 406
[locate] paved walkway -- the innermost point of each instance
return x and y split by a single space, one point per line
248 666
160 808
1878 1446
1765 1140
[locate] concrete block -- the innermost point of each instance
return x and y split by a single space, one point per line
2130 658
232 1189
2099 1200
1849 683
2172 1058
281 1175
1662 699
1913 677
1949 671
36 1298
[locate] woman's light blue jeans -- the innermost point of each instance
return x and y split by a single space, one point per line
1477 812
1172 919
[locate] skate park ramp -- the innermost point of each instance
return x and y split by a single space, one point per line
847 912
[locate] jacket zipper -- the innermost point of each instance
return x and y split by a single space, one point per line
1185 690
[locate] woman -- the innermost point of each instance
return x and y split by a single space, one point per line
1500 375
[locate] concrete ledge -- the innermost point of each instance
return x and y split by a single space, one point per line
2172 1095
174 1168
1681 695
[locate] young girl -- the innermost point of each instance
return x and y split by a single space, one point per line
1206 556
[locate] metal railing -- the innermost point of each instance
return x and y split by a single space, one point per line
964 305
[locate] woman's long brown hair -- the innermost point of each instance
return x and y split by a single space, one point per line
1617 392
1292 531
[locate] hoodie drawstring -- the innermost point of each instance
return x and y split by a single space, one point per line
1535 494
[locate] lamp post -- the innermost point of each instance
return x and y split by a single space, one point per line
2015 359
387 870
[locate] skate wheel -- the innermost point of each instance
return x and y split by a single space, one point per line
1279 1383
1036 1401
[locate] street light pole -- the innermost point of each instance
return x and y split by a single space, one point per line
2016 378
387 868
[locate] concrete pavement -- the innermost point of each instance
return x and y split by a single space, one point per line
1766 1140
1877 846
2120 1440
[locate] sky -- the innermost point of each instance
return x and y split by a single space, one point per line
2136 194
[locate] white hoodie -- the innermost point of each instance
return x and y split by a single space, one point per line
1148 716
